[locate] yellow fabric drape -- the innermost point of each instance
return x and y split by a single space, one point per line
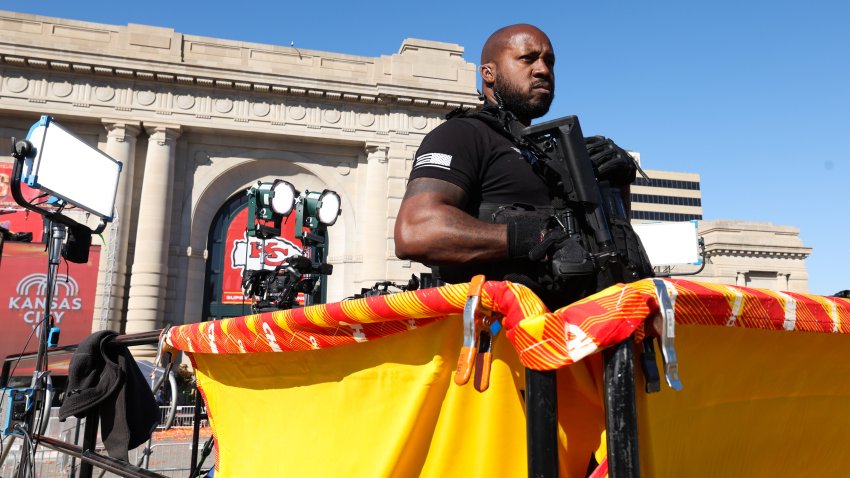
388 408
365 387
755 403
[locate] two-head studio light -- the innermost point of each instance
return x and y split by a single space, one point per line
270 202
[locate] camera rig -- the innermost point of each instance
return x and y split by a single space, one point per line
283 286
389 287
280 288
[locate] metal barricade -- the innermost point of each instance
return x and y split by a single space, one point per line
168 455
184 418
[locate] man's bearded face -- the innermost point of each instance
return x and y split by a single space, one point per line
528 101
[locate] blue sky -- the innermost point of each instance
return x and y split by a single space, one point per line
754 96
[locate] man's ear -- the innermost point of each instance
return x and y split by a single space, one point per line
487 74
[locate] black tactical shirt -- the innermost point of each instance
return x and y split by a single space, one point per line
485 164
492 171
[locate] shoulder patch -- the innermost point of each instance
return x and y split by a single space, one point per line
436 160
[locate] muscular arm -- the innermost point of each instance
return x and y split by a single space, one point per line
433 229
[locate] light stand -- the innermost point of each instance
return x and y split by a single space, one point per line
46 163
40 385
57 231
314 245
54 257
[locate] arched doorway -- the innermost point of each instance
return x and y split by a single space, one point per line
215 307
232 252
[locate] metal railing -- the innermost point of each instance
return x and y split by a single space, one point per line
184 418
166 455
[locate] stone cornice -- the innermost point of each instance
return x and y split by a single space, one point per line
764 254
58 92
231 84
423 74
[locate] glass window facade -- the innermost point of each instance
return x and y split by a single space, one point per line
667 183
664 216
672 200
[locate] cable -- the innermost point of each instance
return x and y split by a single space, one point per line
27 459
15 367
205 452
67 271
20 356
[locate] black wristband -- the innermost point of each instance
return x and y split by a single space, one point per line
522 237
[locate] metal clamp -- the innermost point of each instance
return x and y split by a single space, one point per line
165 360
164 356
668 334
479 330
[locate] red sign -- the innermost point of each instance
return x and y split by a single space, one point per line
23 284
13 217
243 253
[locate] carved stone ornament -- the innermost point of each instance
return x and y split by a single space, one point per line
332 116
104 93
61 88
202 158
419 122
223 105
17 84
162 135
261 109
366 119
184 102
146 97
343 168
297 112
377 152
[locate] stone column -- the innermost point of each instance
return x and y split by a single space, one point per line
782 281
399 159
374 216
146 304
120 145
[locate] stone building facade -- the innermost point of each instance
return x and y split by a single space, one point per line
197 120
754 254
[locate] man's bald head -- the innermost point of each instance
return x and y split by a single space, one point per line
501 38
517 71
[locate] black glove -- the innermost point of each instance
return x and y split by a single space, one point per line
610 162
524 234
531 238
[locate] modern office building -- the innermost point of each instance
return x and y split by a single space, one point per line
666 196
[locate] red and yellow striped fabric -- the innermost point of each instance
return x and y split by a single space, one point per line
391 407
544 340
330 325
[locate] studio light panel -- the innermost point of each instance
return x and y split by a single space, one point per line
66 167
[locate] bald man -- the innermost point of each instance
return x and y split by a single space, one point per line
469 175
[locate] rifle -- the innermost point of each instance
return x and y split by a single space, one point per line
560 144
591 207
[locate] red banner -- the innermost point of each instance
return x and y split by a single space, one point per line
250 253
13 217
23 283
